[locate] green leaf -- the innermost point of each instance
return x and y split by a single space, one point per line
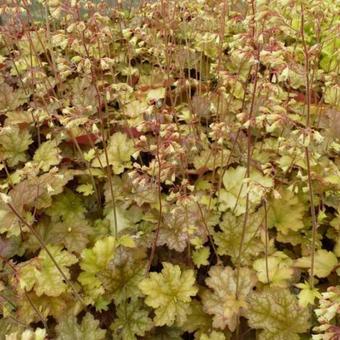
307 294
48 306
127 241
324 262
14 144
182 225
28 334
200 256
47 155
278 335
48 279
44 275
165 333
220 300
8 326
335 234
276 310
66 207
85 189
332 95
123 277
9 221
120 149
286 213
69 329
125 217
212 336
10 99
197 319
169 293
93 261
132 321
229 238
258 186
280 269
206 159
233 197
73 234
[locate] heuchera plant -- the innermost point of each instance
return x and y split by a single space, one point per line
170 171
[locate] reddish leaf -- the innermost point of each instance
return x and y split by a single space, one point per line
87 139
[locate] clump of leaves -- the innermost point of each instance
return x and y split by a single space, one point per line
169 170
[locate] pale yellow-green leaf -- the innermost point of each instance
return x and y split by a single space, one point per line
132 320
229 238
276 269
43 275
94 261
156 94
214 335
85 189
286 213
14 143
307 294
68 328
126 241
169 293
236 186
276 310
221 301
47 155
324 262
233 197
201 256
119 151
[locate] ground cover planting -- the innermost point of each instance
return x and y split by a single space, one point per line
170 170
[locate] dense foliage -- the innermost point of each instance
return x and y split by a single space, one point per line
170 172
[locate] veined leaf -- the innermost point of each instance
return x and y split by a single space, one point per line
286 213
169 293
47 155
93 261
200 256
307 294
42 274
280 269
120 149
132 321
13 144
234 195
229 238
324 262
197 320
276 311
221 301
69 329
